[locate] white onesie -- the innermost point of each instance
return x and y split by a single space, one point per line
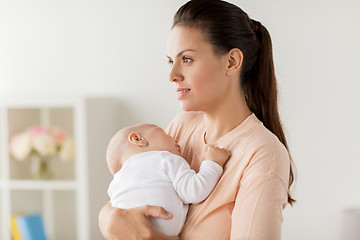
160 178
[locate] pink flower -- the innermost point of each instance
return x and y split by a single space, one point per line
46 142
37 130
58 135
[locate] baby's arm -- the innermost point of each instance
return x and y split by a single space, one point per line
218 155
194 187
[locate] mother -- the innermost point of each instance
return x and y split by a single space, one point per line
222 67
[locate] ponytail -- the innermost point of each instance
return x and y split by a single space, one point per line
260 89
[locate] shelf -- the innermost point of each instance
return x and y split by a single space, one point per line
70 202
42 185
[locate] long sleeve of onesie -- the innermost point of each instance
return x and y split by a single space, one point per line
192 187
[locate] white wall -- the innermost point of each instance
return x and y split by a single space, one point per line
118 48
90 47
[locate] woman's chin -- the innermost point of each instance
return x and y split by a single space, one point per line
187 108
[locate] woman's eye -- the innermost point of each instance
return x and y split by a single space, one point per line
186 60
171 63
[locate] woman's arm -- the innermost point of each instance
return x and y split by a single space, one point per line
119 224
259 215
262 196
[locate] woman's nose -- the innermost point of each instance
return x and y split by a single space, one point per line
175 74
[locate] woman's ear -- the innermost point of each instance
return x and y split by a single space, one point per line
235 58
137 139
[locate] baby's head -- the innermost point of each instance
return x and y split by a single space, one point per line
137 139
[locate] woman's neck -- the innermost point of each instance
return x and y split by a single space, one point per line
224 118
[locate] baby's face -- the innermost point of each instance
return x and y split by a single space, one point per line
160 141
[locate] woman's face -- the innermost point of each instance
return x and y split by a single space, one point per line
198 74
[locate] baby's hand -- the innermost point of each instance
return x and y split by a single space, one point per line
218 155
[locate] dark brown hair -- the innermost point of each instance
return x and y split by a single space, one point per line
226 26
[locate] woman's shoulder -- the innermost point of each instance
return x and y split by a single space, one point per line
258 135
257 140
263 140
268 152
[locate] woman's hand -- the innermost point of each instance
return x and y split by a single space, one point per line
134 223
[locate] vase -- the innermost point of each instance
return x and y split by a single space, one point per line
40 167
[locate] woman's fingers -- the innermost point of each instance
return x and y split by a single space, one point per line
134 223
157 212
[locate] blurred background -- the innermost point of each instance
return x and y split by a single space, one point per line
118 49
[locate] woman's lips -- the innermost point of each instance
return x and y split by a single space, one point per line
182 92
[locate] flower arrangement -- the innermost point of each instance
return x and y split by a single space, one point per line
43 141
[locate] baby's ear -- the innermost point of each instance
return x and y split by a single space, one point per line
137 139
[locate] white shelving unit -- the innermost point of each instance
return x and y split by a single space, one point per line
70 202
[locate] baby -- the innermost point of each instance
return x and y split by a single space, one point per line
148 170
